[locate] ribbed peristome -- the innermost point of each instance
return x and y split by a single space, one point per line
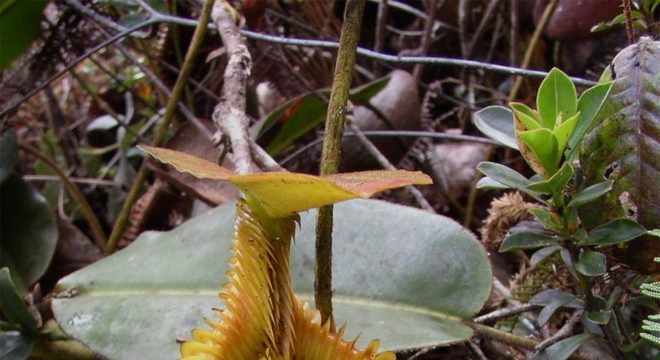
263 319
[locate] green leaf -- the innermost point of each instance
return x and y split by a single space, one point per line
556 96
299 115
12 305
543 145
563 131
599 317
654 232
590 194
552 301
7 154
488 183
19 26
591 263
28 233
556 183
542 254
526 240
615 232
589 104
503 174
496 122
134 303
14 345
563 349
526 116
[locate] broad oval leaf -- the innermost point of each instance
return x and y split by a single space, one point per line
400 275
28 233
556 96
283 193
591 263
496 122
542 254
615 232
622 145
526 240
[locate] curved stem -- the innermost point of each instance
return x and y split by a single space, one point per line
77 195
141 177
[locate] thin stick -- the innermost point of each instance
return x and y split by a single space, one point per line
229 115
504 313
627 12
381 21
330 155
426 39
562 333
161 131
74 191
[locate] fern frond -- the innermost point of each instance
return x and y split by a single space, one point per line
651 326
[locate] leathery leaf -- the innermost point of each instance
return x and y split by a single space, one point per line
137 302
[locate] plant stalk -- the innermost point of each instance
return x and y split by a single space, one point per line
161 132
76 194
334 128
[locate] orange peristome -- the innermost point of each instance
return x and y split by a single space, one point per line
263 319
284 193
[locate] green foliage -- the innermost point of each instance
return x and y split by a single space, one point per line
7 154
297 116
594 156
28 232
135 301
19 27
651 325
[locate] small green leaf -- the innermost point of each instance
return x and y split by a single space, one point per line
506 176
599 317
15 346
654 232
589 104
303 113
564 131
548 219
591 263
496 122
542 254
543 145
556 96
526 240
526 116
19 26
12 305
615 232
7 154
488 183
552 300
591 193
556 183
563 349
